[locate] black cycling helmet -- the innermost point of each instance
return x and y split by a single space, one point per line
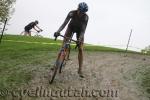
36 21
83 7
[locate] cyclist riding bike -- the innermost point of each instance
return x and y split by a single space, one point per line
30 26
78 20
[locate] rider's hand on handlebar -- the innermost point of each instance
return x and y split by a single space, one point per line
38 31
79 40
56 34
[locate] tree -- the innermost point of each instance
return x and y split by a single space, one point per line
6 9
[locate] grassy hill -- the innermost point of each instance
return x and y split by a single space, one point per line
21 56
47 42
19 53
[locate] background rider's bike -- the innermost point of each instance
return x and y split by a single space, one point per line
61 58
33 33
37 34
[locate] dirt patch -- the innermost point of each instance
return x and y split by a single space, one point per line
107 77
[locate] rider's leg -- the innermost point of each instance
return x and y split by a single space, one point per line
68 33
22 32
29 33
80 55
25 33
80 59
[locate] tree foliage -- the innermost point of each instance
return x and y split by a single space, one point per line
6 9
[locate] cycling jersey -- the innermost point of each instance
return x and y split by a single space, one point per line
30 26
77 24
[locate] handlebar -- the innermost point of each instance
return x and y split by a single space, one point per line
38 31
66 37
77 45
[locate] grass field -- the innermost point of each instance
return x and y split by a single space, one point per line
16 58
21 56
19 53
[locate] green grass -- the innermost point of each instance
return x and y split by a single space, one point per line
18 60
46 41
20 56
27 38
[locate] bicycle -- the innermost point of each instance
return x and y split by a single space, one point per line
36 33
61 58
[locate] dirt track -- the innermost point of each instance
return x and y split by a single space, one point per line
103 71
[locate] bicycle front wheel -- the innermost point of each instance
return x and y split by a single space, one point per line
54 71
64 58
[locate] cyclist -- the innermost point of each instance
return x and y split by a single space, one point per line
30 26
78 22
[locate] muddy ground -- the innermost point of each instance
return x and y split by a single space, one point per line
107 77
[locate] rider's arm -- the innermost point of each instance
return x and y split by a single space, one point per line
65 22
83 28
35 29
38 27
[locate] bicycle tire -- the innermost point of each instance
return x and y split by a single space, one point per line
60 69
61 60
64 58
68 55
22 33
58 65
54 72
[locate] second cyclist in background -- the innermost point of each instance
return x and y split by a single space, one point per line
32 25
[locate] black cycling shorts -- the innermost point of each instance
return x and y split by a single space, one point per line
27 29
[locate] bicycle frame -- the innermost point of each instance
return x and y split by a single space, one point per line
61 58
65 50
32 32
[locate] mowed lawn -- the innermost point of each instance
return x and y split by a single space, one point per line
18 59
